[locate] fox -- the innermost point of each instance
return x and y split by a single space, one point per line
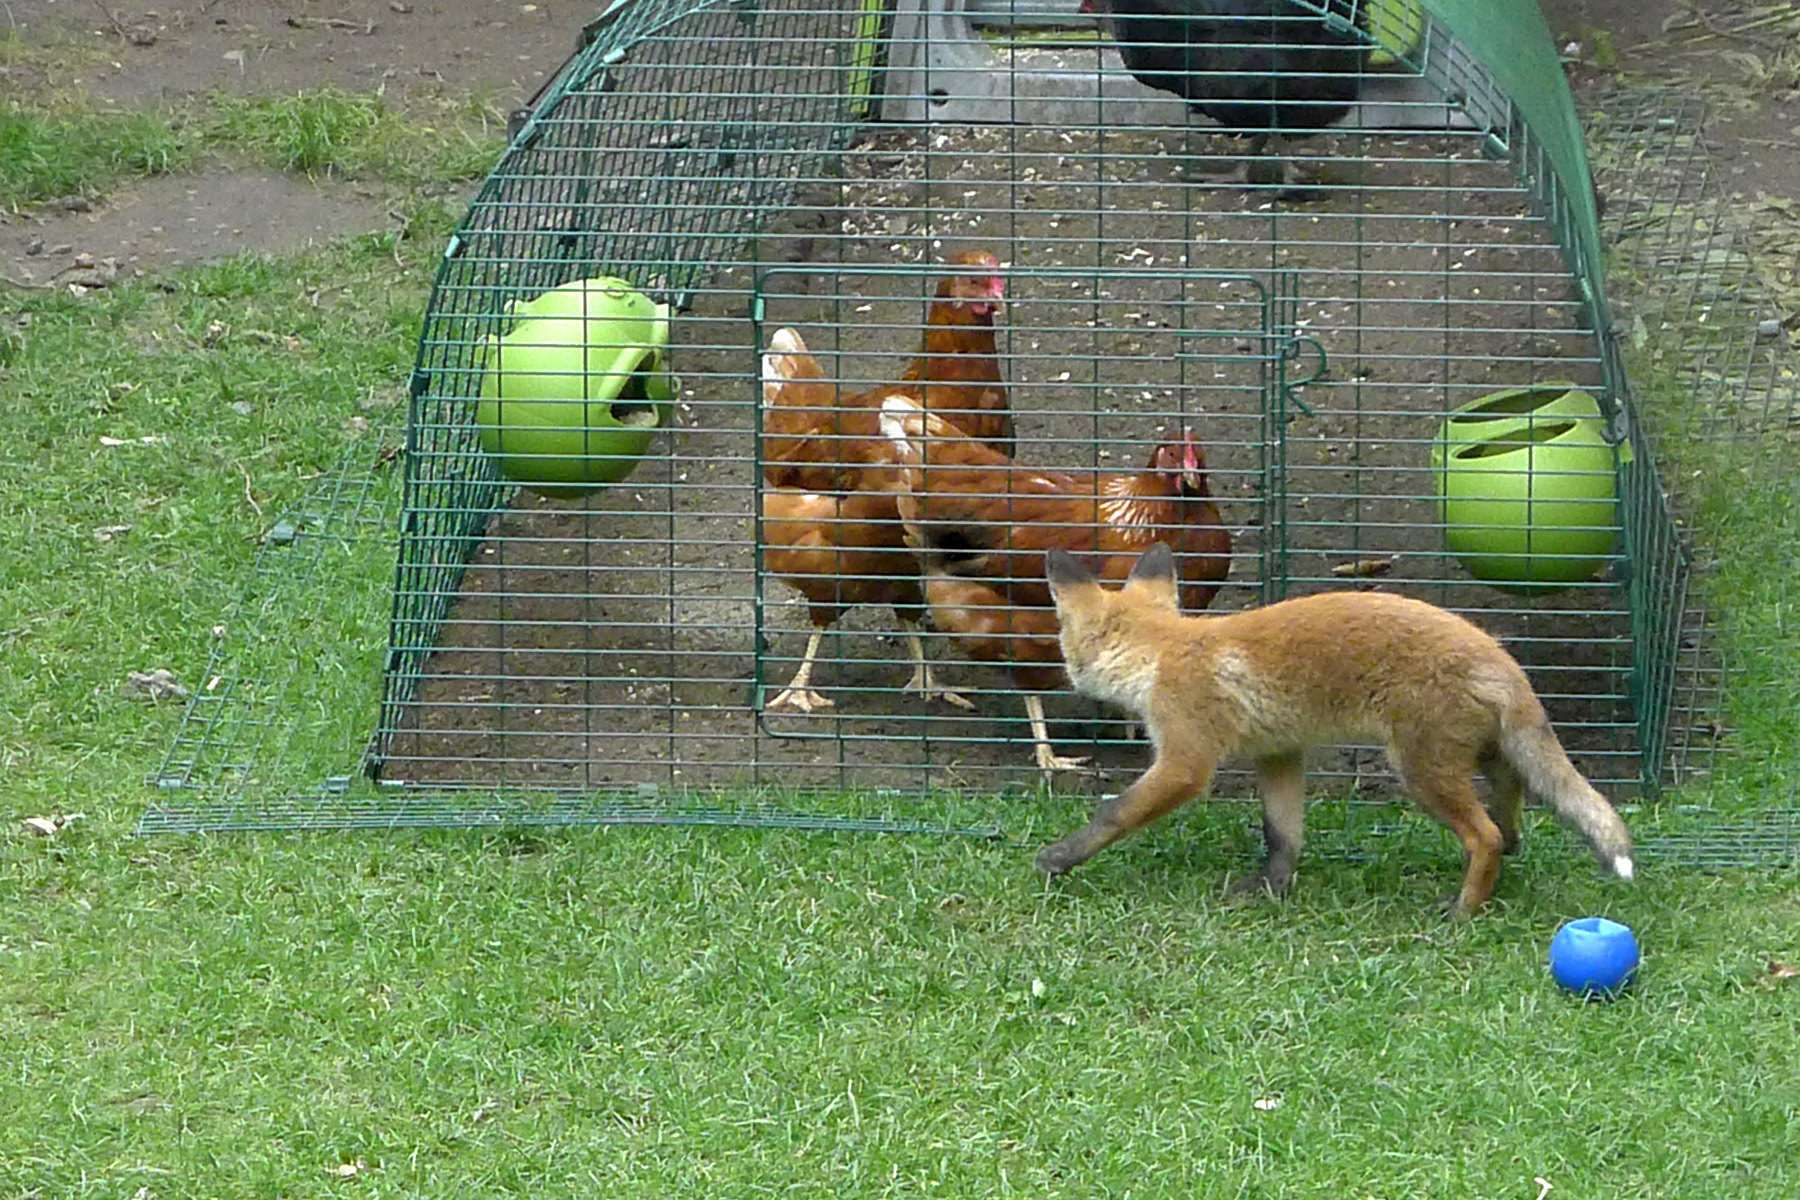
1268 683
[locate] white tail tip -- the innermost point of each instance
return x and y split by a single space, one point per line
1622 867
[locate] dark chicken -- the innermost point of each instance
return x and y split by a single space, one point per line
830 526
1261 68
980 525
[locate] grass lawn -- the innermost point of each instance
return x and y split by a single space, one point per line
668 1012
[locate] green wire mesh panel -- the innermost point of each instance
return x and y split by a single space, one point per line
634 651
636 635
1716 384
266 736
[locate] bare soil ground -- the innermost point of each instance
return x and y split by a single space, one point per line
173 220
136 57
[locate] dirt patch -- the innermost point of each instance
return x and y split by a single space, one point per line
144 56
175 220
1753 126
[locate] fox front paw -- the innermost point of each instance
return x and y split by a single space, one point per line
1059 857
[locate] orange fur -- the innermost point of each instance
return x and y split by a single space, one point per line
1267 683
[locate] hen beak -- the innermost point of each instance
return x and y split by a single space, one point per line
991 299
1193 477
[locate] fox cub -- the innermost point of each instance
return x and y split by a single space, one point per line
1269 682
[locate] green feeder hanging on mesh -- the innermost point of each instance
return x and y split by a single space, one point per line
573 394
1528 487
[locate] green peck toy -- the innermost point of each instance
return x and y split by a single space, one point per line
573 394
1528 487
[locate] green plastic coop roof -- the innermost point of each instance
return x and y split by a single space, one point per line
1512 40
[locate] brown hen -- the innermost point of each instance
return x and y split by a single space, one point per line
830 528
981 523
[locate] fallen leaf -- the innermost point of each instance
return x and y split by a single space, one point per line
1366 566
159 684
1781 970
1266 1103
350 1170
43 826
107 533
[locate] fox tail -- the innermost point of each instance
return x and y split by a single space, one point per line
1532 750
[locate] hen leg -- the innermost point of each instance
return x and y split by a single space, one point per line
1291 182
799 694
1261 167
1048 761
921 680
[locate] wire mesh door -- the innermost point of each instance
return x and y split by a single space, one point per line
1123 371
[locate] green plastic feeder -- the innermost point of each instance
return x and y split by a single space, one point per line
572 396
1398 27
1528 487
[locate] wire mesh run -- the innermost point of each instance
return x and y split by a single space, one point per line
617 654
637 634
269 721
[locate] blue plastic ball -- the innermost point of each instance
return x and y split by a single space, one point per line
1592 956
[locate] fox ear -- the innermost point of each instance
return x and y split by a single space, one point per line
1154 573
1063 570
1155 565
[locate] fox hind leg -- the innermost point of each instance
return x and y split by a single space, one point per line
1441 779
1508 802
1281 781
